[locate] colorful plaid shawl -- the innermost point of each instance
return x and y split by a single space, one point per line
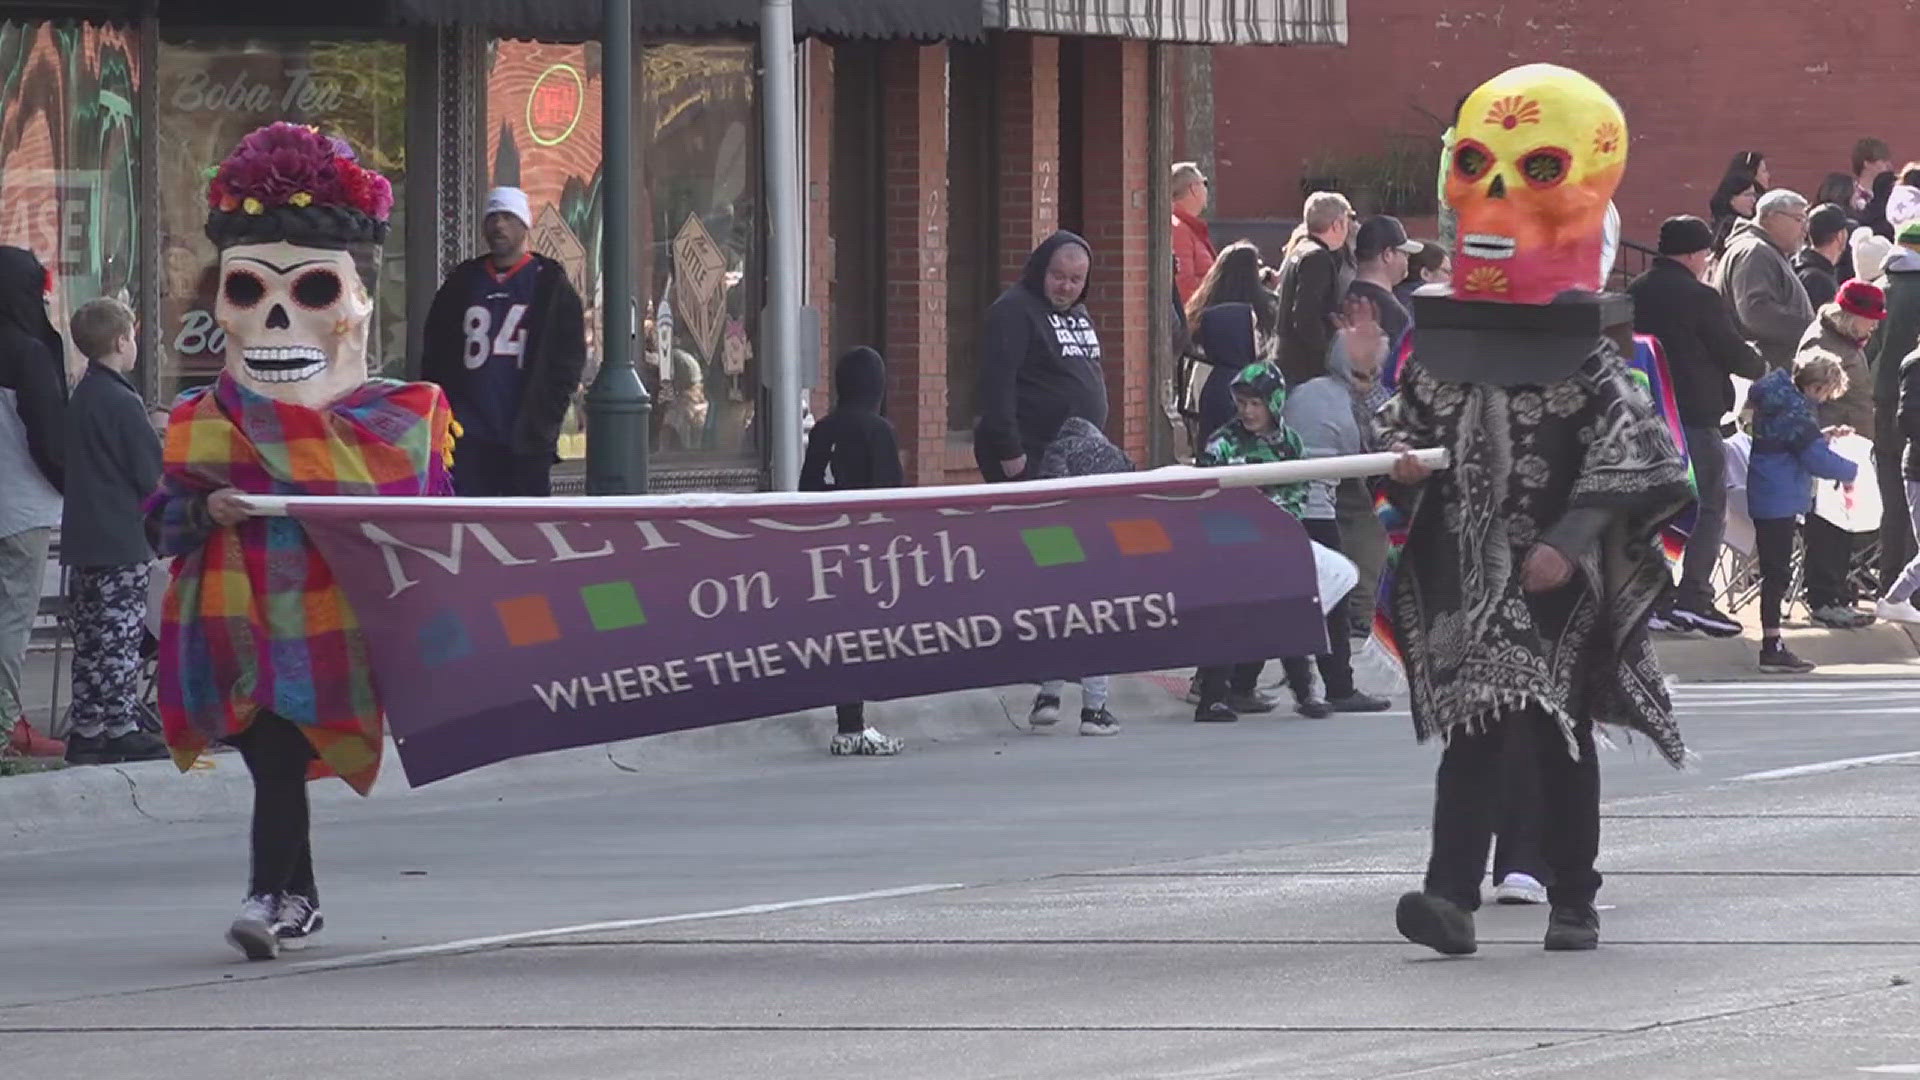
253 619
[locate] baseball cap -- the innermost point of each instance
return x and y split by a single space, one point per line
1383 233
1910 233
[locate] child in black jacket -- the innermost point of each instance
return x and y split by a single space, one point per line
853 448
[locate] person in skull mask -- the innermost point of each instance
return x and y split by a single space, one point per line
259 648
1520 599
506 338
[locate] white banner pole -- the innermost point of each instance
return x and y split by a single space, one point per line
1227 476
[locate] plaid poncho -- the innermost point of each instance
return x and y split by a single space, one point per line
254 619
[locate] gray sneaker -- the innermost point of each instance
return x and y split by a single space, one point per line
252 933
1045 711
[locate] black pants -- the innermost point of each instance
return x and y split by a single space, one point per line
1773 538
487 470
1896 529
1828 564
1336 664
1218 681
1519 827
1467 801
853 718
277 753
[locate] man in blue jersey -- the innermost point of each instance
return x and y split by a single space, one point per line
506 338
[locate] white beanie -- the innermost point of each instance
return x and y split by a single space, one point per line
510 200
1870 253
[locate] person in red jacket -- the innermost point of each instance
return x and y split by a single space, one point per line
1193 251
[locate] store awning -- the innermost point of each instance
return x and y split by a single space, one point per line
1217 22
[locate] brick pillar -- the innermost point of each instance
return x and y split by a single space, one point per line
1029 146
914 81
819 250
1114 145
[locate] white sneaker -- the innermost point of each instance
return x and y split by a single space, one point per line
252 933
1520 889
1897 611
868 743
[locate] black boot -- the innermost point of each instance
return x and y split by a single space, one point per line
1437 923
1573 928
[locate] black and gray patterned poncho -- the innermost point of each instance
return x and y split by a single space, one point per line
1476 645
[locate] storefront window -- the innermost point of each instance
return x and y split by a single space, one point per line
543 136
211 94
701 275
68 168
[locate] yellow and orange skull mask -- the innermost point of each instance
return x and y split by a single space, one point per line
1538 152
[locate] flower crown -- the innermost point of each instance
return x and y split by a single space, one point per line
291 178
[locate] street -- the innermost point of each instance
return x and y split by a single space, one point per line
1181 901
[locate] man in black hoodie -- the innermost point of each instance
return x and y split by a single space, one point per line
1039 362
854 448
33 402
506 339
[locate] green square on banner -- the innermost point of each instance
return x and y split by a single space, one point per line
613 605
1055 545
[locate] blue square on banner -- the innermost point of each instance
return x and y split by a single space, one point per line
444 640
1225 530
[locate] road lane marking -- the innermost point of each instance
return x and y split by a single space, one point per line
498 941
1819 767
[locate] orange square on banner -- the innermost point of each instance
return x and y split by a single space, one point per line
1144 536
528 620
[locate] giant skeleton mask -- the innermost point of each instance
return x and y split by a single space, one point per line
1538 153
296 216
296 321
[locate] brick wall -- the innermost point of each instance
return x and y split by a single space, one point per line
1114 204
818 57
1698 82
914 80
1029 147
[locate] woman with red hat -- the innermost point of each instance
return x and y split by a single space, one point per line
1840 331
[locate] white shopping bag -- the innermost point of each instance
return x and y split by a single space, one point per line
1337 576
1858 510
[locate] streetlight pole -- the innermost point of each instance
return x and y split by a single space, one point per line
780 326
617 403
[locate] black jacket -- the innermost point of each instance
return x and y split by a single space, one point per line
113 464
33 361
1038 366
1909 415
1893 340
854 438
1820 276
1310 295
556 355
1697 333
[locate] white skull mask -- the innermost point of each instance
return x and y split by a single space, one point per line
296 320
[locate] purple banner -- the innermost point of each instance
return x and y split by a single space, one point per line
503 629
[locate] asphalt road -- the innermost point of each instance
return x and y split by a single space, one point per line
1180 901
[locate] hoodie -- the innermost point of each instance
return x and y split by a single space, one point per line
1226 339
1080 449
1789 451
1327 414
1235 444
854 447
33 398
1038 366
